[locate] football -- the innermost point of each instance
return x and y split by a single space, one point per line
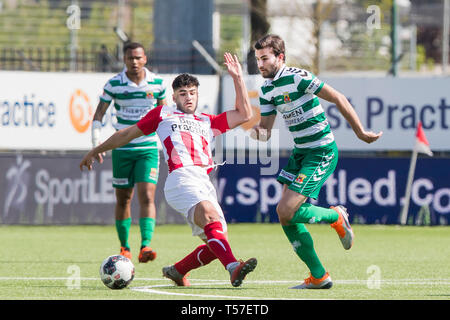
117 272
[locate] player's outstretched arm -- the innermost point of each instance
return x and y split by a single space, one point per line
345 108
243 109
118 139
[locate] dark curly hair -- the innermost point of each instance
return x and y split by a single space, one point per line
271 41
184 80
132 46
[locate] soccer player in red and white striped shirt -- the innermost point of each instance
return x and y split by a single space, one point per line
186 137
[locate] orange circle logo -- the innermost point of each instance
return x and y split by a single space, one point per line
80 111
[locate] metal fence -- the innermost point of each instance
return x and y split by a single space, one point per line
70 35
54 59
43 36
93 59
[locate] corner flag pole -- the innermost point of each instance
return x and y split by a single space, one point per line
422 145
412 168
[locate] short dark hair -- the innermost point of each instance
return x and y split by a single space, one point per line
132 46
184 80
271 41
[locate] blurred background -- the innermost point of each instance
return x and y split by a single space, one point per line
323 36
389 57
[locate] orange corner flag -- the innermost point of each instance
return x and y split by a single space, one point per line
422 144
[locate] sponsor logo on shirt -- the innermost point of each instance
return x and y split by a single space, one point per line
287 175
313 86
294 117
194 126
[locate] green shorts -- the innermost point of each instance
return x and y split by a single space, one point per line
131 166
307 170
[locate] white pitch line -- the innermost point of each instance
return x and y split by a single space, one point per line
215 281
150 289
212 296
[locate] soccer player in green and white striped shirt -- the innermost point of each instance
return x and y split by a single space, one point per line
135 92
294 93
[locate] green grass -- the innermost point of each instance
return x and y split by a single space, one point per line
413 263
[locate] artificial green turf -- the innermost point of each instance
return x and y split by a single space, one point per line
386 262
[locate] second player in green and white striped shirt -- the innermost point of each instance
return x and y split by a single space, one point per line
295 93
132 102
292 93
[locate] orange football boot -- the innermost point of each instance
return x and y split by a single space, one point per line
124 251
343 227
147 254
313 283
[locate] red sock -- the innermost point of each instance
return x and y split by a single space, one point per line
201 256
218 244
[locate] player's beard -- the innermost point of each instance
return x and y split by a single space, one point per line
271 73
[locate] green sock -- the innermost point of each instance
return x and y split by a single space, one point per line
147 226
308 213
123 230
303 245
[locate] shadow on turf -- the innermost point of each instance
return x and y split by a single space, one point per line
199 288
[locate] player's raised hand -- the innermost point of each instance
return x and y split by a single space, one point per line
88 159
369 136
232 63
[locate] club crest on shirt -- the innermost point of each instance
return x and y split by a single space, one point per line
287 99
300 178
150 95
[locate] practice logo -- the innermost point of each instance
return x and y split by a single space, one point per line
80 111
17 189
